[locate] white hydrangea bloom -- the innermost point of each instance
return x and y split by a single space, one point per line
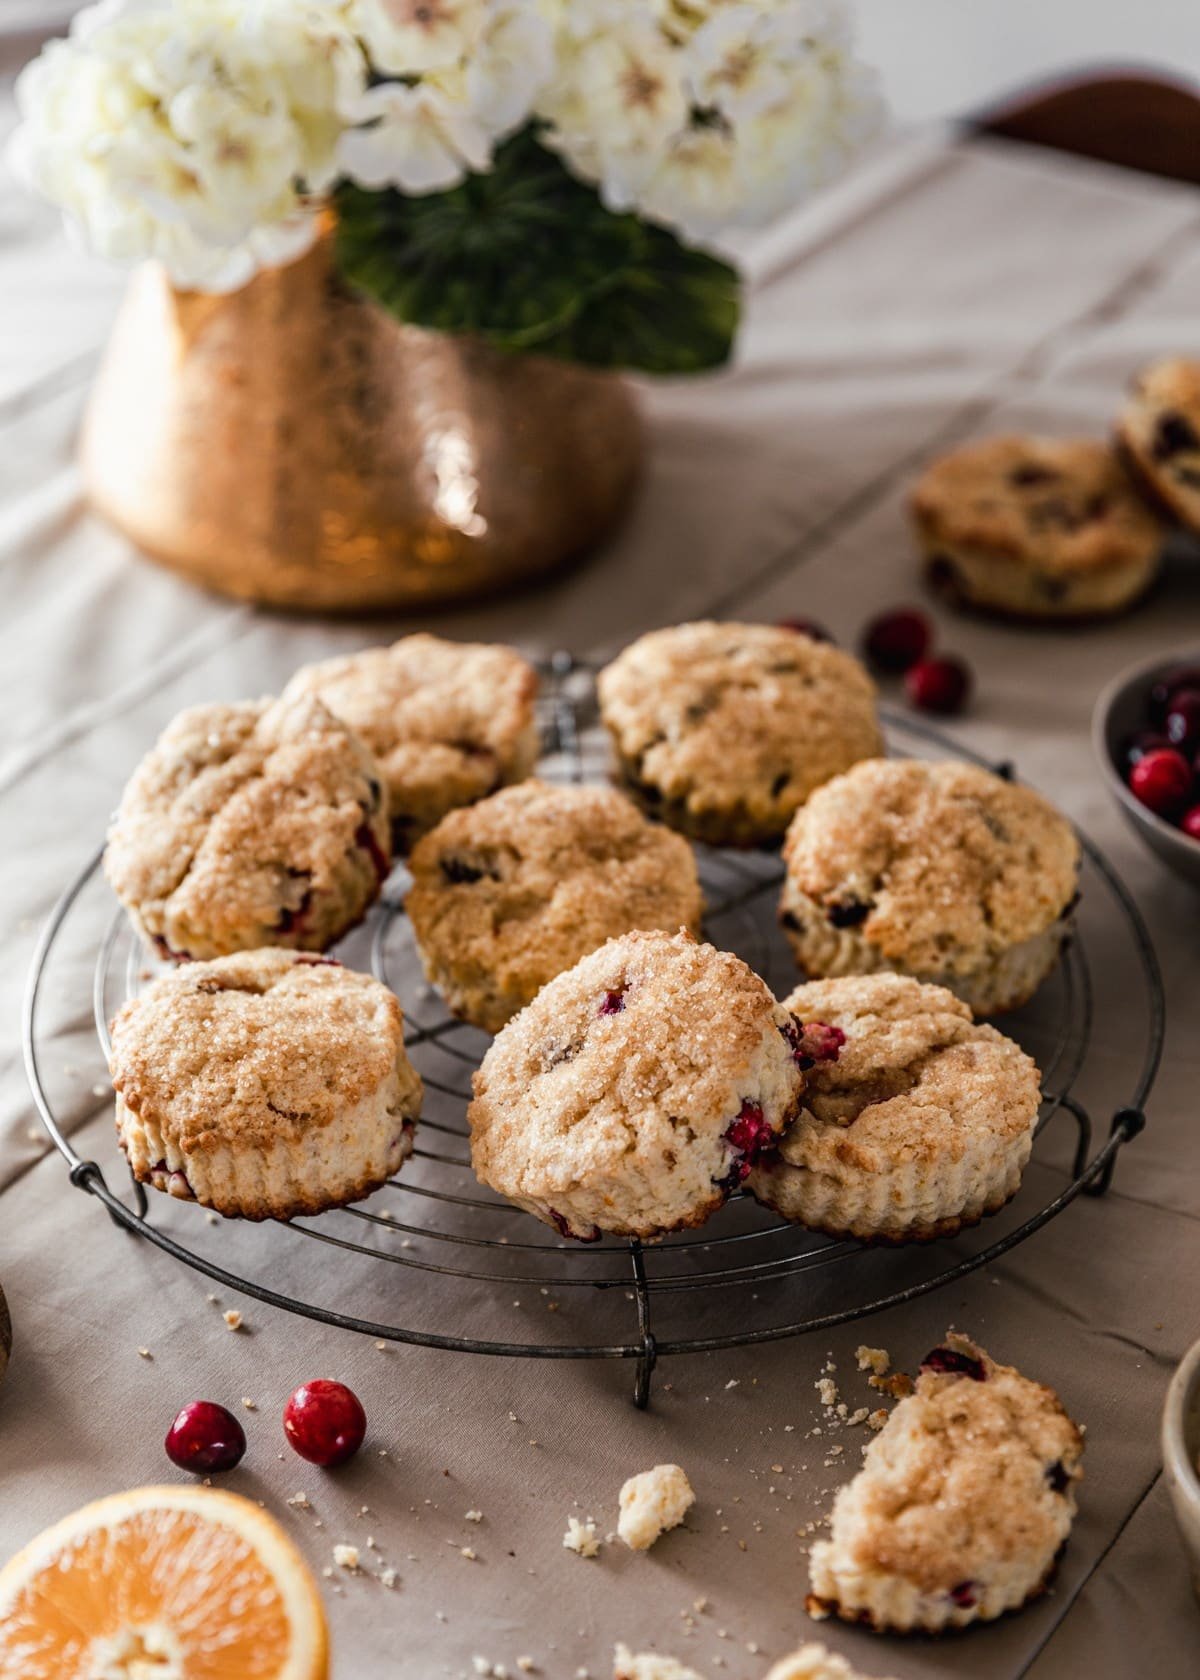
703 114
189 130
414 137
471 71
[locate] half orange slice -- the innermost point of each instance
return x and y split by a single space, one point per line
162 1583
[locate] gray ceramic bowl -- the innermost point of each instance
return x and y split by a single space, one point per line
1121 712
1181 1451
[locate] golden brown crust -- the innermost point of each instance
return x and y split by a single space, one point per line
261 823
962 1505
1064 506
942 865
254 1047
606 1104
449 722
514 890
1159 432
921 1126
722 730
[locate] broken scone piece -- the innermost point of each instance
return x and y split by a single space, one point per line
964 1500
653 1502
648 1665
814 1662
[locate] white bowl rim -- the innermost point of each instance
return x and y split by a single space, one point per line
1179 1462
1100 713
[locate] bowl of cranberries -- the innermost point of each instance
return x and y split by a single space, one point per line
1147 737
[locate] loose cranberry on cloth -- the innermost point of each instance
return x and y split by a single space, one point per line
897 640
205 1438
324 1422
939 685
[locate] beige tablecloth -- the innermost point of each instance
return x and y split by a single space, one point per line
949 290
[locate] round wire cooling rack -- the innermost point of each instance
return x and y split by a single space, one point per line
467 1271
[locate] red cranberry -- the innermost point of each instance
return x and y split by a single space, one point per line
1058 1476
205 1437
613 1003
813 1041
938 685
965 1595
1182 722
1162 780
807 627
949 1361
749 1136
324 1422
896 640
1189 822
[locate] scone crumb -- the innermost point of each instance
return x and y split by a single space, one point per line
473 1516
469 1553
827 1389
346 1557
651 1503
526 1665
233 1318
250 1405
878 1360
899 1385
877 1418
582 1537
301 1502
144 1353
648 1665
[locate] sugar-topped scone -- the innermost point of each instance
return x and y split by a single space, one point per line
1159 432
923 1124
814 1662
263 823
510 892
722 730
636 1090
1034 527
939 870
449 722
265 1085
964 1500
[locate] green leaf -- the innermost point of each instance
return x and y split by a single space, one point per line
528 258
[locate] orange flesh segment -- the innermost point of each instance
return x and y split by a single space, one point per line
153 1570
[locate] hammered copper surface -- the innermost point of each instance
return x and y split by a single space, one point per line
294 445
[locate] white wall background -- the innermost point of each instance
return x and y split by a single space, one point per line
941 57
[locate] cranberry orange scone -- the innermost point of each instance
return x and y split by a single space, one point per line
263 823
1159 433
939 870
722 730
923 1124
964 1500
636 1090
265 1085
510 892
448 721
1039 528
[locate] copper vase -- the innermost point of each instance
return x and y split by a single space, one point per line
294 445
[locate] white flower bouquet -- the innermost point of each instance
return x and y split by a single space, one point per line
536 172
